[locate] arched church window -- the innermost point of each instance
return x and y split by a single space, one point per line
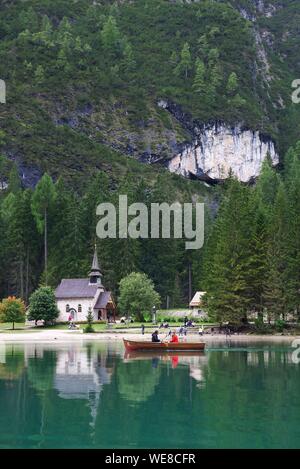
67 308
79 309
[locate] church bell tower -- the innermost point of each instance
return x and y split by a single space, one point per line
95 275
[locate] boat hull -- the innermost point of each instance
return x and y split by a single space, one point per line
132 345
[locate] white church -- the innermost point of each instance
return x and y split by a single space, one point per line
75 296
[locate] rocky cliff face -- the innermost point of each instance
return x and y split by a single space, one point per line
217 149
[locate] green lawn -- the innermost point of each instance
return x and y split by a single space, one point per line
133 327
119 327
6 326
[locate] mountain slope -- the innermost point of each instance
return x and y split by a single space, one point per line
84 79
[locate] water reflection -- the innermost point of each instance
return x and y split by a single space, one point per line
95 395
194 361
81 374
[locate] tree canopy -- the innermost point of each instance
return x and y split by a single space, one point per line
137 296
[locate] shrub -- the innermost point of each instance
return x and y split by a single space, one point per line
137 296
12 309
42 305
260 326
280 325
89 319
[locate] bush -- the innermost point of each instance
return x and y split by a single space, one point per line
12 310
137 296
89 319
260 326
280 325
42 306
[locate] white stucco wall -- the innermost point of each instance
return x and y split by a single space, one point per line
73 303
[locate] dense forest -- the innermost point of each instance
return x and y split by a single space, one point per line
83 82
252 258
70 221
250 261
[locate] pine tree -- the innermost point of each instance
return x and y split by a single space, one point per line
258 262
68 244
275 284
42 202
174 59
14 184
62 60
292 182
128 58
4 168
199 81
89 319
213 57
216 77
203 46
29 20
39 75
226 267
185 63
232 84
111 37
234 99
267 185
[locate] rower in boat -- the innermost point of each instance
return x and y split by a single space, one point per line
132 345
174 338
155 337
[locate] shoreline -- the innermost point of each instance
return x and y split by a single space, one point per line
70 336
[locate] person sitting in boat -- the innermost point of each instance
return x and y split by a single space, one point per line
155 337
174 338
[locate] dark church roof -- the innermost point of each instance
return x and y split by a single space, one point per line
82 288
95 266
75 288
102 300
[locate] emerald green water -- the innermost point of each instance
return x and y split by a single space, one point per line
91 396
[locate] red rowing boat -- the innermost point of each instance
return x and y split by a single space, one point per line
132 345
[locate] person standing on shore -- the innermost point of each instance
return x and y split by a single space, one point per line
143 329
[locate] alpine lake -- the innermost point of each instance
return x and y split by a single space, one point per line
94 395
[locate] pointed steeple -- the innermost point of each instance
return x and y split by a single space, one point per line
95 274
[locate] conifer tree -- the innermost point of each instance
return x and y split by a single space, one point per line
174 59
232 84
277 257
226 268
90 320
185 63
42 202
258 248
128 58
199 81
39 75
111 37
267 185
292 181
14 182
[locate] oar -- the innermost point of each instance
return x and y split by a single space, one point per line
166 336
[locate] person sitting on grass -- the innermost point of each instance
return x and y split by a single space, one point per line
155 337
